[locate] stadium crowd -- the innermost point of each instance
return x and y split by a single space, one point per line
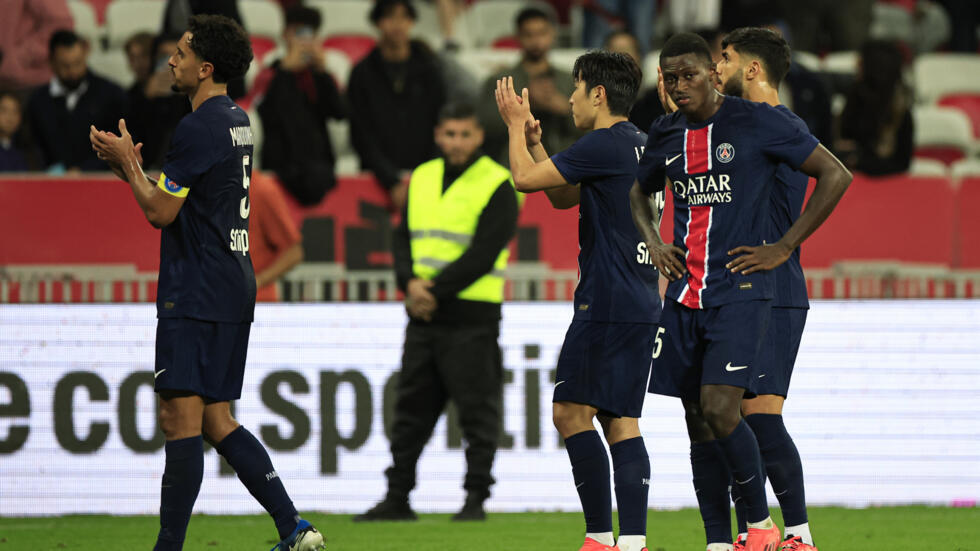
331 94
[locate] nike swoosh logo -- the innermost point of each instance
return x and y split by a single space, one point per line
157 374
672 159
731 367
558 383
579 485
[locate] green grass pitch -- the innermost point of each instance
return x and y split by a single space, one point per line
835 529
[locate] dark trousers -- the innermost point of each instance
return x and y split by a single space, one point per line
443 362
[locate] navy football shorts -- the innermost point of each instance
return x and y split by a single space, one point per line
713 346
605 365
779 349
205 358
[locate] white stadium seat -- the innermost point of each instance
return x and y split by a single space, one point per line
124 19
83 17
650 64
484 62
841 62
966 167
344 16
255 121
262 17
338 65
807 60
112 64
939 74
943 127
564 58
927 167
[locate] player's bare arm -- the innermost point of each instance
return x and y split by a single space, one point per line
561 197
529 175
159 207
668 258
832 181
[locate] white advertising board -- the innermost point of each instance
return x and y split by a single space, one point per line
884 408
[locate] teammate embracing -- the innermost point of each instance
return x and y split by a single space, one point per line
719 155
604 363
206 291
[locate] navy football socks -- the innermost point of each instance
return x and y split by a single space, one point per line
782 465
742 452
711 478
590 469
181 483
631 473
251 462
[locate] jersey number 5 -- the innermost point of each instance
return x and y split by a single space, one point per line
658 343
244 207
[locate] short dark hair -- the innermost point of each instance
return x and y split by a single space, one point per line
765 45
383 8
617 73
223 43
304 16
528 14
457 110
63 38
686 43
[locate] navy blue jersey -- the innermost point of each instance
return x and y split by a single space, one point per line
205 269
788 194
617 280
721 174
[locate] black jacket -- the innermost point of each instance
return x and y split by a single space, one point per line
394 108
296 145
62 135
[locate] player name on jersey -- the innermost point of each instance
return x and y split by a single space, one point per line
241 135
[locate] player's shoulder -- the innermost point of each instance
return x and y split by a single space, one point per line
796 120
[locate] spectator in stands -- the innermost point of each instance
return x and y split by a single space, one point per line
827 25
25 29
395 94
876 128
301 97
139 55
603 16
550 88
13 156
647 106
61 112
274 242
154 108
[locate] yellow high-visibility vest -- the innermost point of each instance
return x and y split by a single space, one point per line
442 225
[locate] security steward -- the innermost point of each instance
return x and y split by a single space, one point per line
450 254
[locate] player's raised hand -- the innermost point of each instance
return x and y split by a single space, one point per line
755 259
668 258
514 109
532 132
115 150
665 100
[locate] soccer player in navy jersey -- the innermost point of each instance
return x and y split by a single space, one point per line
605 360
206 291
754 62
719 155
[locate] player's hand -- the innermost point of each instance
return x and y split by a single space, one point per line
532 132
665 100
118 150
419 302
669 260
756 259
514 109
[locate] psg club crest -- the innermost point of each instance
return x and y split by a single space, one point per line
725 153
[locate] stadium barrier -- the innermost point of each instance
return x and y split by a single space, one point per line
885 409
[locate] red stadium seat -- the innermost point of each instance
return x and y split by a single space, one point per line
261 46
968 104
506 43
356 46
943 153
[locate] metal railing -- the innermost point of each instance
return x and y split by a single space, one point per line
526 281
